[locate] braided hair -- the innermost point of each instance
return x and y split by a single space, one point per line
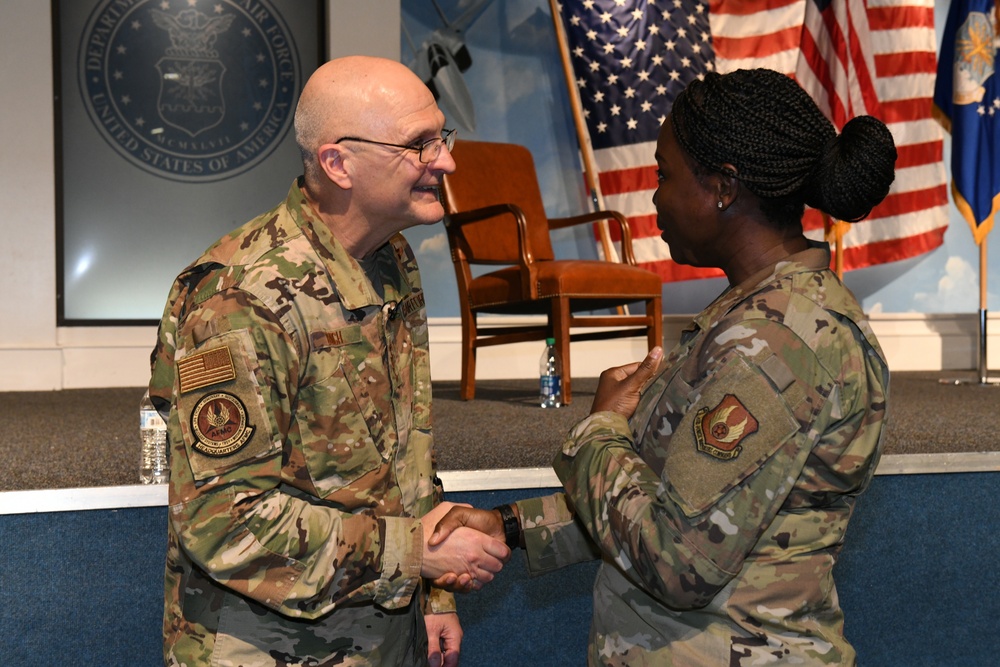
784 149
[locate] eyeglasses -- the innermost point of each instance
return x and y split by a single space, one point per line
427 151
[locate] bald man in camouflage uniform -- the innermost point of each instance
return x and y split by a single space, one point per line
292 368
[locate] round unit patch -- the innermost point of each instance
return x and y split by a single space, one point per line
190 90
219 424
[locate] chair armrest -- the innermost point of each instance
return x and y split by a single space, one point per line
475 215
628 256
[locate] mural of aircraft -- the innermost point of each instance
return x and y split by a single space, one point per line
442 59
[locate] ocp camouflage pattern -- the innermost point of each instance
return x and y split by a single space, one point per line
300 450
722 505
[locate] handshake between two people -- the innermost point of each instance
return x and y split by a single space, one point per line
465 547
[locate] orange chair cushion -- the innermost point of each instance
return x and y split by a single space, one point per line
577 279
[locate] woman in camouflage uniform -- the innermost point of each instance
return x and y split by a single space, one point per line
720 507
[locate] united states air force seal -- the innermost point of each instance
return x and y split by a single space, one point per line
190 90
219 424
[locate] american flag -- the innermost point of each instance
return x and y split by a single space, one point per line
631 57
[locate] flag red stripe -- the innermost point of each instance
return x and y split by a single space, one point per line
622 181
900 203
902 111
740 8
756 46
916 155
643 225
895 18
905 62
880 252
813 219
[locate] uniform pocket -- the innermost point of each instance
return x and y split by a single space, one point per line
337 421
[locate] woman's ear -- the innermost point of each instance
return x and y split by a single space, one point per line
331 161
728 186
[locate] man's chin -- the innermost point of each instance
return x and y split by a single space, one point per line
430 213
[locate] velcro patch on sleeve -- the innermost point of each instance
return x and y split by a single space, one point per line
224 421
738 423
205 369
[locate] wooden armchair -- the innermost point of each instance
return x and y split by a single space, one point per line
495 215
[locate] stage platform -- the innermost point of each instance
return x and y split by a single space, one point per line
82 546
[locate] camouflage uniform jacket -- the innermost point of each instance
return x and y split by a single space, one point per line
297 395
722 505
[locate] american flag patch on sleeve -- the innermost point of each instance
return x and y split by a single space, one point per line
205 369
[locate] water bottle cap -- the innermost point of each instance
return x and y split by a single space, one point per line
550 341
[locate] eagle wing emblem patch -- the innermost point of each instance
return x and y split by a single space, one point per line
720 430
219 424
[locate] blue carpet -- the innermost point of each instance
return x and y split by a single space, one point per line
918 582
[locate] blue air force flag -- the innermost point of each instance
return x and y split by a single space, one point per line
968 98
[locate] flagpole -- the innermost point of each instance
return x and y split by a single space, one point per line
833 229
983 372
586 150
984 378
840 251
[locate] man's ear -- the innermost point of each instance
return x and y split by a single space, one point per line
331 161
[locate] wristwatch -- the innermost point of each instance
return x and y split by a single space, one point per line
511 526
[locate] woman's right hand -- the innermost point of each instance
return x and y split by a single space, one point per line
620 388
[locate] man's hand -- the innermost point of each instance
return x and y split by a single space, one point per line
620 388
472 556
444 639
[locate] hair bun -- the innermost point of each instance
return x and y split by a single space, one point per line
855 170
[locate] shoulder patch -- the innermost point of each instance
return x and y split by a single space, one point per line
720 430
220 426
205 369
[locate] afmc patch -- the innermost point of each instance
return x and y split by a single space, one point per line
219 424
720 430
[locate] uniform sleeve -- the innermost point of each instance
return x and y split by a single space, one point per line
553 537
234 502
724 449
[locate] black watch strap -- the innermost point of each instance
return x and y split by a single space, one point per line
511 526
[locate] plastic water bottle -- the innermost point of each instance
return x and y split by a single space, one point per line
153 434
550 376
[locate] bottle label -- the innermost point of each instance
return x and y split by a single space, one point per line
150 419
550 385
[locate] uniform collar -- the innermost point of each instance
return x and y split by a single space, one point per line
352 283
814 258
